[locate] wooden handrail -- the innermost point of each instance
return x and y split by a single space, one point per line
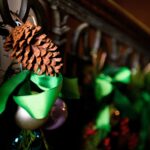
91 12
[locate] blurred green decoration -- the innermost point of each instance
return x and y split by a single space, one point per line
129 92
141 91
103 86
103 122
110 81
104 82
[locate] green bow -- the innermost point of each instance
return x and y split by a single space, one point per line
37 103
105 85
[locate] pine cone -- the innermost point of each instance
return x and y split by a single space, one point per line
33 49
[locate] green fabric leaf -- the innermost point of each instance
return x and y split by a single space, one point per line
103 86
123 75
103 119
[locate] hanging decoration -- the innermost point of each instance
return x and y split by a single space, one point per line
37 86
38 89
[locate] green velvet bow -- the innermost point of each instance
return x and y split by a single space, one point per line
37 103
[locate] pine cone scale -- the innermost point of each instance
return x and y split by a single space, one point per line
36 51
38 60
36 67
43 52
31 59
21 43
19 52
27 51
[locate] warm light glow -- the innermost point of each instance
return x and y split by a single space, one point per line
117 112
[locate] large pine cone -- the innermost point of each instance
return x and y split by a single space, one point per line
33 49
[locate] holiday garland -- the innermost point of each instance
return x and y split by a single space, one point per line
122 121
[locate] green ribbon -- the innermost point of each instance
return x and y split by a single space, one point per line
104 83
37 103
103 119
